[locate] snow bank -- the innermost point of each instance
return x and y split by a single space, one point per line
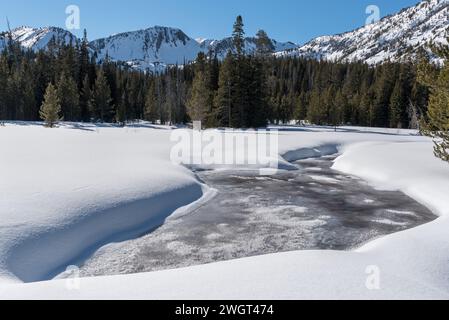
409 167
66 192
410 265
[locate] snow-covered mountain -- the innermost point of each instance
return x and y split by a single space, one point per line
38 38
149 48
396 37
159 46
152 48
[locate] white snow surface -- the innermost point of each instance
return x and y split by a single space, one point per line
66 190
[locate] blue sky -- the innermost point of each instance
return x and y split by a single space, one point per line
293 20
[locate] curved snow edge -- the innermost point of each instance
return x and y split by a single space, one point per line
44 255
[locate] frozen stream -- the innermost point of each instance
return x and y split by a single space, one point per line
312 208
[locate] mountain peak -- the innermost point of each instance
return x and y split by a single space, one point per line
396 37
38 38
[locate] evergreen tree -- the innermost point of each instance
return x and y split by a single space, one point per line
301 107
101 102
257 113
85 100
264 45
337 105
224 102
384 88
316 113
151 104
51 107
238 37
200 101
121 109
397 105
83 60
437 124
69 98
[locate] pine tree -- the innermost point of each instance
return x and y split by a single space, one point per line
437 124
213 76
120 113
151 104
69 98
300 107
337 105
51 107
101 102
85 100
241 78
199 102
257 90
224 102
264 45
83 60
384 88
397 106
238 37
316 113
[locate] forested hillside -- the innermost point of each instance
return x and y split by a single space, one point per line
240 91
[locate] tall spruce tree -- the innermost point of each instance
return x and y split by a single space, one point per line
200 101
101 100
238 37
85 99
151 104
68 94
224 102
51 108
437 120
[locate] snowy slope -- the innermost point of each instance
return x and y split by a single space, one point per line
153 48
395 37
38 38
66 190
149 48
162 46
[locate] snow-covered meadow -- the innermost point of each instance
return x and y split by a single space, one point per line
68 191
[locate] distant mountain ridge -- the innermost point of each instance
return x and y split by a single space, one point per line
150 48
38 38
396 37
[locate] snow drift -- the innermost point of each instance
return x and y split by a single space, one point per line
60 178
